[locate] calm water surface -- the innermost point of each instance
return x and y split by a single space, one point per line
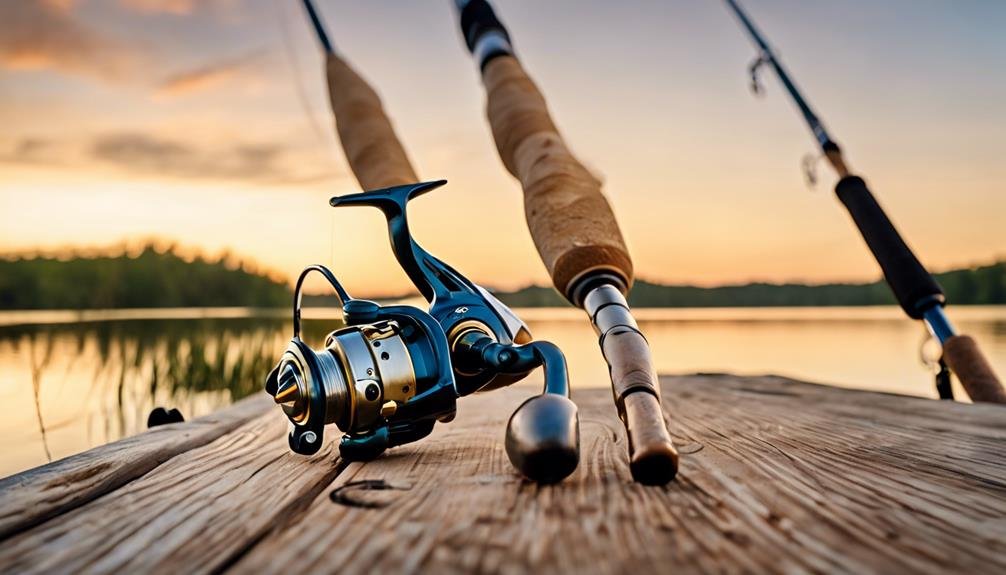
70 381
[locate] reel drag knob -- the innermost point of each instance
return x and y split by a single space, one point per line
543 438
311 390
291 394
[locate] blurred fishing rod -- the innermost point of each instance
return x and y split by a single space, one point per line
576 234
915 289
373 150
482 345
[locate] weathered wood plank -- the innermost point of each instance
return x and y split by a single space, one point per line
862 482
192 513
777 476
29 498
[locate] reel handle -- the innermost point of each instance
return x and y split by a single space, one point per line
543 438
543 434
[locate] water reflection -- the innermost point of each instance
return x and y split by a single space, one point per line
70 381
67 387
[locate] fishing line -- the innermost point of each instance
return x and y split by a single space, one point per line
293 65
331 245
294 68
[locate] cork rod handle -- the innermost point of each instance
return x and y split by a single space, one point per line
570 220
576 234
653 460
374 153
963 356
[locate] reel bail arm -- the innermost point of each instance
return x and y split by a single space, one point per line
427 273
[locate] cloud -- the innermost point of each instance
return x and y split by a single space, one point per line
151 156
205 77
62 5
29 150
177 7
49 35
42 34
250 162
31 147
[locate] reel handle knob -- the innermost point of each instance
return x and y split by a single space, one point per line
543 434
543 438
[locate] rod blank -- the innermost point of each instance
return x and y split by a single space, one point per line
913 286
319 27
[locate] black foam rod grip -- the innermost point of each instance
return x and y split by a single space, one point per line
477 19
913 286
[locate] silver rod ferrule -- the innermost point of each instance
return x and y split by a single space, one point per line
608 310
491 43
938 323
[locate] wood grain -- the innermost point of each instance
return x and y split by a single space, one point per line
192 513
39 494
776 476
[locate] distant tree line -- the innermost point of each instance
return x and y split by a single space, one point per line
974 286
163 278
151 278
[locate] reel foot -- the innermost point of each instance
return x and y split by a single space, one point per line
366 447
543 438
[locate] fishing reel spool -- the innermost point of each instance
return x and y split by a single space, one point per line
394 371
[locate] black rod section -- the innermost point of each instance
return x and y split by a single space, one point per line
484 34
319 27
913 286
767 56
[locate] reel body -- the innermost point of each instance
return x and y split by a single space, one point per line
392 372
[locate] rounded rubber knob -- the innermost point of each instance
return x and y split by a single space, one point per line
543 438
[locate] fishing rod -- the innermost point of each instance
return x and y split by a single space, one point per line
374 152
394 371
576 234
914 287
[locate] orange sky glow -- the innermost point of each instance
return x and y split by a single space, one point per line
207 124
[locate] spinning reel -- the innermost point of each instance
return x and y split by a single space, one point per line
394 371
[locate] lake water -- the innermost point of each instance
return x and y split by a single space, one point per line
70 381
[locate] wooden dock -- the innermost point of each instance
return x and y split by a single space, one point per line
776 476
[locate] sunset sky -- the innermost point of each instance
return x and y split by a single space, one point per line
206 122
